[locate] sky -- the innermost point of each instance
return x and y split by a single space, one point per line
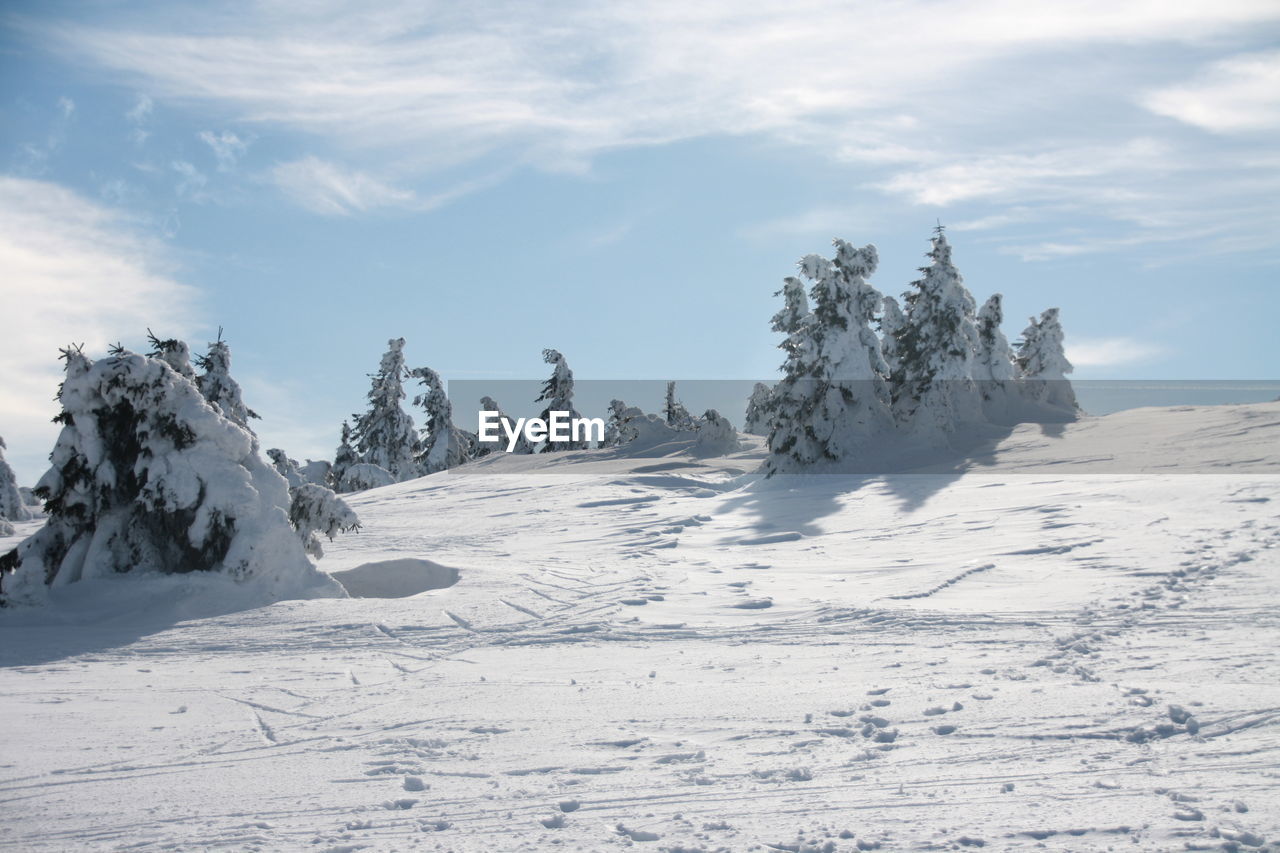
628 183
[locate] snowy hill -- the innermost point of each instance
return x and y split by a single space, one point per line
1065 640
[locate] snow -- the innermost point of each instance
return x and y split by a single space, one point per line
1066 640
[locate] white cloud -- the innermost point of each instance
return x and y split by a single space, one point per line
325 188
332 190
227 147
191 181
139 115
71 271
1238 94
939 104
1111 352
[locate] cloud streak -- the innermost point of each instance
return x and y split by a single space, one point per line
934 104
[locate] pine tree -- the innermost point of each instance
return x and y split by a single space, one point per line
174 353
557 392
933 388
12 506
315 509
384 435
673 410
146 477
619 429
443 445
993 368
758 410
219 388
789 437
891 322
834 399
716 436
343 458
1043 366
286 467
505 423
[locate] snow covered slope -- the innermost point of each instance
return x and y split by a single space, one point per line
1062 642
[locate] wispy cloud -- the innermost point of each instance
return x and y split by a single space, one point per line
1234 95
227 148
1112 352
332 190
934 104
323 187
139 116
72 271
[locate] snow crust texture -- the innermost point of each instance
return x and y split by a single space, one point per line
1022 650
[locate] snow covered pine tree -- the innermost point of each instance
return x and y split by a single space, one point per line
620 429
147 477
833 399
506 425
557 392
443 445
757 419
384 436
933 390
673 410
216 384
993 368
1043 368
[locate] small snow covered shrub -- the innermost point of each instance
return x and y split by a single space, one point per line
316 509
147 476
619 429
364 475
716 436
506 426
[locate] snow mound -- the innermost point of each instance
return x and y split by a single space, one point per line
396 578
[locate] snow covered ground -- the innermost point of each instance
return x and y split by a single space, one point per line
1068 641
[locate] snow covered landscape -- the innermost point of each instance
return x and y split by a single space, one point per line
696 428
591 651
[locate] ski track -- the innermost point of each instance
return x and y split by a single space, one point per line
1021 663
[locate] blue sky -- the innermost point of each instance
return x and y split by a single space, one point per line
627 183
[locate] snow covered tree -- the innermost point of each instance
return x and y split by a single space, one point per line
174 353
443 445
217 386
384 435
147 477
993 369
286 467
833 398
673 410
12 505
506 423
557 392
343 458
1043 366
933 390
891 322
315 509
316 471
619 429
363 476
758 410
716 436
